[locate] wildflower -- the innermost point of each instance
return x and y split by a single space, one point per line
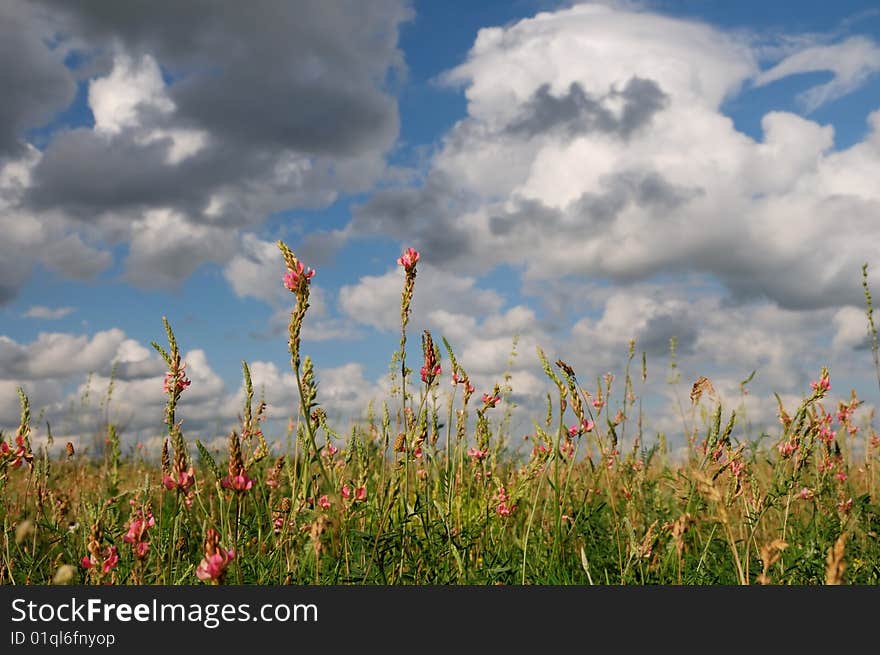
346 491
504 508
213 565
539 450
845 506
137 531
841 476
409 259
581 428
477 454
324 502
360 494
566 449
180 480
106 558
238 479
176 382
787 449
22 452
331 450
298 276
823 384
491 400
806 493
612 457
737 467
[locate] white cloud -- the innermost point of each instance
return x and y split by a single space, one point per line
48 313
375 299
852 62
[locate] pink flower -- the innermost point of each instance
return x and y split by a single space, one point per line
477 454
845 506
409 259
346 491
176 382
598 403
360 494
584 426
331 450
566 448
213 566
491 400
540 449
108 560
324 502
185 479
240 482
428 374
504 508
786 449
737 467
137 530
298 276
840 475
417 452
806 494
822 385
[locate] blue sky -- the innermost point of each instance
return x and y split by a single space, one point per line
574 175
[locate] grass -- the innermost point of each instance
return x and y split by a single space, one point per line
428 490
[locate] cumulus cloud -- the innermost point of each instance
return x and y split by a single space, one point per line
375 299
199 129
543 175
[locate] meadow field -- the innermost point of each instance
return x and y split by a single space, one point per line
429 489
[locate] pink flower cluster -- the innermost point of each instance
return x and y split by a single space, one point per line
409 259
581 428
297 277
19 455
469 388
360 493
788 448
178 382
213 565
137 531
181 480
504 508
806 493
477 454
822 385
107 559
491 400
239 482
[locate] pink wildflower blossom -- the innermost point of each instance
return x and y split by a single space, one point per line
477 454
806 494
301 275
491 400
409 259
